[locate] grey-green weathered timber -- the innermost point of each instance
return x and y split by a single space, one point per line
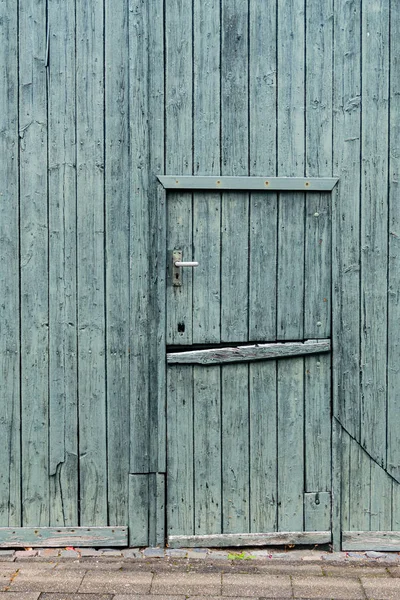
260 397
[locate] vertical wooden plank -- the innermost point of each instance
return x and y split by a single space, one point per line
346 215
10 475
207 449
381 499
374 224
360 488
235 207
235 448
117 195
263 207
63 409
291 146
345 469
318 422
395 507
317 511
206 155
180 502
290 444
90 257
263 455
34 262
178 160
318 115
138 510
393 406
139 233
340 472
156 506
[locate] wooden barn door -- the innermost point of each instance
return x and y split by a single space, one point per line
248 362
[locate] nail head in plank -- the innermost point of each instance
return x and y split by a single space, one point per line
57 537
301 184
249 539
248 353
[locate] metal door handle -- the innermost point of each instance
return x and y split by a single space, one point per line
177 264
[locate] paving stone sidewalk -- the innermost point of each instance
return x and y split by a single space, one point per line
112 576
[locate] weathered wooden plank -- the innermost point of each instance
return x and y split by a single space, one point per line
180 501
207 161
235 139
250 539
90 258
374 225
393 401
346 215
248 353
317 511
63 393
262 159
117 193
381 499
56 537
337 470
345 478
317 398
225 182
360 488
10 474
139 52
34 263
235 449
263 447
179 298
383 541
156 509
138 509
291 148
395 507
290 444
207 449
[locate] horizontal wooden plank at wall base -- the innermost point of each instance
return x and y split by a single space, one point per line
57 537
216 356
227 540
381 541
196 182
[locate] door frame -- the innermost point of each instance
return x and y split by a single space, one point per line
158 278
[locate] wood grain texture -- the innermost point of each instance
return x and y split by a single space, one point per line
381 499
90 258
139 509
63 393
248 353
157 506
383 541
57 537
280 538
317 398
317 511
359 488
180 501
139 52
235 449
290 444
34 263
10 475
374 223
117 237
226 182
346 215
263 447
393 402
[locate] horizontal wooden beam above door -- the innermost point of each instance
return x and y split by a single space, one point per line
300 184
215 356
249 539
57 537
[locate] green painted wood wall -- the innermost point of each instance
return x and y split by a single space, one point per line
96 98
